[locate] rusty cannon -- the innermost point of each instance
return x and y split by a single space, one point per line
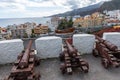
109 53
23 68
108 44
71 60
24 60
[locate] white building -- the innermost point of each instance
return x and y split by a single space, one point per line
3 33
21 30
55 22
113 17
0 36
113 14
29 27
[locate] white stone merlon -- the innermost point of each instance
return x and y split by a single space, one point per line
84 43
113 37
9 50
48 47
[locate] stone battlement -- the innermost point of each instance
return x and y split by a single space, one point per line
51 46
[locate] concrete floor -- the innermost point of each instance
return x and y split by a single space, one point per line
49 70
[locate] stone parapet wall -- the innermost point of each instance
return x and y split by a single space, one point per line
84 43
113 37
9 50
48 47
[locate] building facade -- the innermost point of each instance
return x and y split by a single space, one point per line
96 19
55 21
41 29
22 30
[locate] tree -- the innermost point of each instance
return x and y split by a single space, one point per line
18 36
32 35
70 23
79 25
65 24
32 30
62 25
49 30
25 35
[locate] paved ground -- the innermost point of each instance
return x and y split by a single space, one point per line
49 70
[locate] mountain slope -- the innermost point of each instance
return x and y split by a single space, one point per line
110 5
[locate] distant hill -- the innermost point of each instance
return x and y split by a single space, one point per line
111 5
100 7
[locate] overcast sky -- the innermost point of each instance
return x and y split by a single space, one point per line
39 8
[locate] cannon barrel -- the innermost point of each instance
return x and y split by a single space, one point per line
71 49
99 39
24 60
108 44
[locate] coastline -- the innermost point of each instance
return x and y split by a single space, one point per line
4 22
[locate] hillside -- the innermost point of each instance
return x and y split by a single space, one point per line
111 5
100 7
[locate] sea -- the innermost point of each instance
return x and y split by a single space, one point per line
10 21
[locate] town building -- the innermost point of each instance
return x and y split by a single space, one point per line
0 34
55 21
112 17
3 33
113 14
40 29
95 19
22 30
29 27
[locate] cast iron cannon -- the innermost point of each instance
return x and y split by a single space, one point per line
71 59
109 53
24 60
108 44
23 68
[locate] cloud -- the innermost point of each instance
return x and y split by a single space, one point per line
73 4
40 7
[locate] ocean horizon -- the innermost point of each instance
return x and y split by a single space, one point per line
4 22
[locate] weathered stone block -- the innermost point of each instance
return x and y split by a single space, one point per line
113 37
9 50
84 43
48 47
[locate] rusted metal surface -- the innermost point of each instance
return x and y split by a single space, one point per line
70 40
108 44
109 53
24 60
71 50
23 68
72 60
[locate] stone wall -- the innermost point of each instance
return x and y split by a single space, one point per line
48 47
9 50
113 37
84 43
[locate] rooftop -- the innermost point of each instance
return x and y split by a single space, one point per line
49 70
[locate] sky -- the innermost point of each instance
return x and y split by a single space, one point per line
40 8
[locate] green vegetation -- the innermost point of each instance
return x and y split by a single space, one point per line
65 24
49 30
32 35
32 30
25 35
18 36
79 25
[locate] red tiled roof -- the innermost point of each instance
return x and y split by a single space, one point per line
100 33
